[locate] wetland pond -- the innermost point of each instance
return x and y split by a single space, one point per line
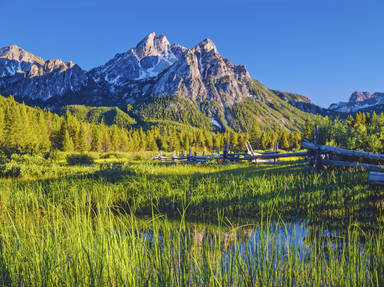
271 251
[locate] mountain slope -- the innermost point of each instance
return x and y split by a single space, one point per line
96 115
159 80
305 104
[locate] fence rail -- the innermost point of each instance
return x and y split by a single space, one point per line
376 178
232 155
318 156
326 149
321 156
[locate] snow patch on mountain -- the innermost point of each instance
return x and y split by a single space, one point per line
216 123
358 101
27 76
148 59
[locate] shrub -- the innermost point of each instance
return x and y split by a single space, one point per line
138 157
57 155
80 159
23 165
108 155
115 155
94 155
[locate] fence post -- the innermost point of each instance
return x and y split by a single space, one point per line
318 164
225 152
276 147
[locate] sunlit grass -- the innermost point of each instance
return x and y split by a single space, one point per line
110 225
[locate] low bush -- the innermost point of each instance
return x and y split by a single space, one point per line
94 155
80 159
115 155
24 165
138 157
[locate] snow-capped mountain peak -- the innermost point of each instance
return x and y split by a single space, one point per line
153 45
26 75
149 58
206 46
198 79
358 101
359 97
15 53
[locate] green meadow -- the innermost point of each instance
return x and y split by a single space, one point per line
126 221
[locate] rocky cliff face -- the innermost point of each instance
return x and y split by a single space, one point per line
156 68
203 74
359 101
151 56
360 97
27 76
200 77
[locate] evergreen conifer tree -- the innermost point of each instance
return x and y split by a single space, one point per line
82 139
67 142
308 129
96 141
284 143
106 141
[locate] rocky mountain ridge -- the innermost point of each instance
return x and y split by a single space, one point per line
150 57
200 81
29 77
359 101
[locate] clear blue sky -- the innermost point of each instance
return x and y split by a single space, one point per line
322 49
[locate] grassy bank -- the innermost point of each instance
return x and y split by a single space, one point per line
205 190
108 225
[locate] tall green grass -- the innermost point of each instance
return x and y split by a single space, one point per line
109 225
204 190
104 250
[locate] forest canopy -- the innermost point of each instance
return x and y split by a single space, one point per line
25 129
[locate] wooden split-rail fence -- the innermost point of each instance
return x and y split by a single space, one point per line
232 154
319 157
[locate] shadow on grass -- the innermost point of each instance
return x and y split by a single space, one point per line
5 274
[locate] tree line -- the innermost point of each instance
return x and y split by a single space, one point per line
24 129
363 131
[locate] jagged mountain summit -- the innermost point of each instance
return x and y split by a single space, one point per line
14 59
151 56
29 77
160 80
156 68
360 101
